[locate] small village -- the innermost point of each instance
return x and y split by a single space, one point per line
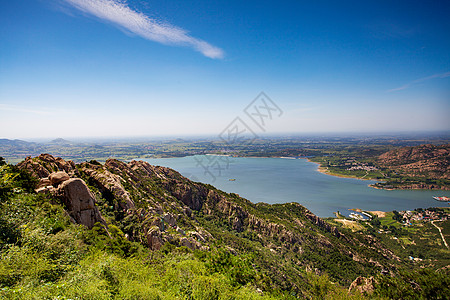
429 214
362 167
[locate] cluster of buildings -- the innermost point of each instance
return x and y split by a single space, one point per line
353 164
423 215
362 167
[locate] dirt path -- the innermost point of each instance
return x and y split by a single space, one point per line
442 236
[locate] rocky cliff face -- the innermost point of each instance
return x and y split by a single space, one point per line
156 205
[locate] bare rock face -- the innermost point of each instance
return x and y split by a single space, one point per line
107 181
58 177
35 168
324 225
45 164
191 195
190 243
362 285
44 182
154 240
80 202
170 219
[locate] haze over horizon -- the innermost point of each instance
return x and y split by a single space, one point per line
73 68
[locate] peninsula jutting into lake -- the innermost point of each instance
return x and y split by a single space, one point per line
277 180
224 150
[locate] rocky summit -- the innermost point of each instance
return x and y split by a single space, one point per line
131 230
156 206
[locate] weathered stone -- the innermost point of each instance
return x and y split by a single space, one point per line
197 235
154 239
44 189
58 177
189 243
156 243
80 202
362 285
45 164
111 183
180 231
170 219
43 182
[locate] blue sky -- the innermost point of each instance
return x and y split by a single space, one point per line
103 68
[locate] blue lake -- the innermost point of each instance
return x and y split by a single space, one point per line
281 180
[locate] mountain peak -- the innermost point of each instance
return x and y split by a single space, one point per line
60 141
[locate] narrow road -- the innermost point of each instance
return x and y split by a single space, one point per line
440 231
367 173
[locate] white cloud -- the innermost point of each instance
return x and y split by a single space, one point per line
120 14
408 85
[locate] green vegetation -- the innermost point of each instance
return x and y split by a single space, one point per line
356 157
420 170
418 239
340 165
46 256
419 284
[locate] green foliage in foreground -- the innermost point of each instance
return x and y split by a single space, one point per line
101 275
45 256
420 284
44 264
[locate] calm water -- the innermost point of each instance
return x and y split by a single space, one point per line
280 180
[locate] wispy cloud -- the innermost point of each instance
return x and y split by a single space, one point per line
120 14
21 109
410 84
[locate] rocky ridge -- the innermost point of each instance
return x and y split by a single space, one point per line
156 206
425 160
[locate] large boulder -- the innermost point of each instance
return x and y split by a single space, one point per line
190 243
80 202
58 177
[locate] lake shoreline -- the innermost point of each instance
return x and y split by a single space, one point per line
325 171
320 169
296 180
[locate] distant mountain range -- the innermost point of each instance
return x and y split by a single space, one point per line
14 143
412 167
